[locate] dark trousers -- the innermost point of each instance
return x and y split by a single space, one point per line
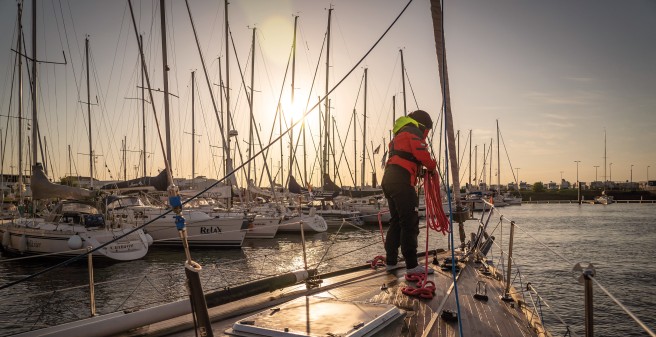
404 223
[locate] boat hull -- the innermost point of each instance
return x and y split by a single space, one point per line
31 237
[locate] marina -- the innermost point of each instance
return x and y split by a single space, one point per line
157 279
261 196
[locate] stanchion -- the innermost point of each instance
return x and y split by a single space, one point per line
192 271
92 292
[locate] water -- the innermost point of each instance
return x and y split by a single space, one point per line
619 239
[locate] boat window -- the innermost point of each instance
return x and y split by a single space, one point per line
93 220
77 207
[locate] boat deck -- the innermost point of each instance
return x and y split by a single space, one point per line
422 316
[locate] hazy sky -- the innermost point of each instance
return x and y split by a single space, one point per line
555 74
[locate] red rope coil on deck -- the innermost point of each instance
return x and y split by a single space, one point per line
436 220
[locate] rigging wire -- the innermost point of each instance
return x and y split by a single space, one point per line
307 112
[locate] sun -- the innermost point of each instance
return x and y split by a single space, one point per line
293 110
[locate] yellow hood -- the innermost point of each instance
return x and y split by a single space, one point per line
403 121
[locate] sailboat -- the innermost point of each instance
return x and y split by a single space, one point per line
75 225
604 199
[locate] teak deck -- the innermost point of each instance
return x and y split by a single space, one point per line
422 316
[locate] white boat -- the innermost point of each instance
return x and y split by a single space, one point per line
203 230
604 199
370 208
312 223
69 230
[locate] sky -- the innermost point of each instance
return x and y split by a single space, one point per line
558 76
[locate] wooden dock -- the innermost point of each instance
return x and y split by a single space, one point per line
422 317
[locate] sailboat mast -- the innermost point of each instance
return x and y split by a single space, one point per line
405 107
326 112
364 129
498 161
35 124
165 78
251 145
19 47
470 158
228 166
355 147
193 126
125 162
86 48
438 28
143 109
605 176
291 133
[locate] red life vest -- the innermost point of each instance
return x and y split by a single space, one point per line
408 148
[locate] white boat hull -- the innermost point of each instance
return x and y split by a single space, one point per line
311 223
263 227
35 237
202 230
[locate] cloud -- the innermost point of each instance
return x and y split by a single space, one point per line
581 79
577 98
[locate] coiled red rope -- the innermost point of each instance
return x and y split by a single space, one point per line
436 220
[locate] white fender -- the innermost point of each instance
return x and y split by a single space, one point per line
75 242
149 239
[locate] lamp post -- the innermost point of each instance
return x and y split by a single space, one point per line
631 173
610 172
648 173
519 181
578 185
596 167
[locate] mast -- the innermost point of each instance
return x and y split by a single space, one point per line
86 48
605 176
470 158
355 148
143 109
125 162
193 126
251 144
498 162
20 103
324 164
405 107
438 28
476 165
165 78
491 160
364 128
35 124
292 151
228 166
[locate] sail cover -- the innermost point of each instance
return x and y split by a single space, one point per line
159 182
42 188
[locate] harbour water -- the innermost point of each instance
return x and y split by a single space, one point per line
619 239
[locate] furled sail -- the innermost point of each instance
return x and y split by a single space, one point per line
159 182
42 188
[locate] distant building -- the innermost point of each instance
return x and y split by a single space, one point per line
523 186
628 186
564 184
551 186
597 185
650 186
511 187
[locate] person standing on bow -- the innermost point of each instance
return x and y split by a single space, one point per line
408 152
